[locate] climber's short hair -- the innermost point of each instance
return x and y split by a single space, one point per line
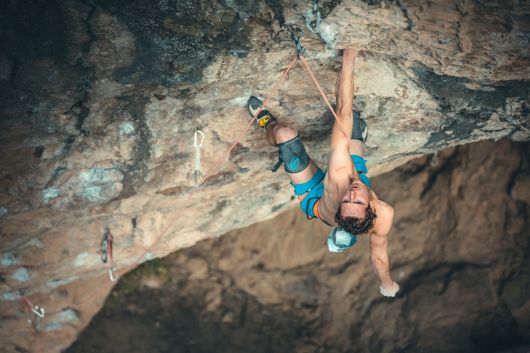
355 225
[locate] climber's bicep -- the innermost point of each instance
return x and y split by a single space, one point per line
340 163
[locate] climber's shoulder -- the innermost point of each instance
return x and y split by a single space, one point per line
384 217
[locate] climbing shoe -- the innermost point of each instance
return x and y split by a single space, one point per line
360 128
264 117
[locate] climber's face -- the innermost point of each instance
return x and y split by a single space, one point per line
355 201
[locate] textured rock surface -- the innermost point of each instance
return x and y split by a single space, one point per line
460 249
99 101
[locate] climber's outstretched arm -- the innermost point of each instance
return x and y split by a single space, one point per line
379 250
379 259
341 131
339 156
340 166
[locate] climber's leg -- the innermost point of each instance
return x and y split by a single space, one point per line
306 177
292 152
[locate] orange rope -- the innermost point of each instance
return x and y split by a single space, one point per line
324 96
221 162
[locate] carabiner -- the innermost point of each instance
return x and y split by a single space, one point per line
112 274
197 144
39 311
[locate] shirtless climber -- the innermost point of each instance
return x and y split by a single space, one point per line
342 197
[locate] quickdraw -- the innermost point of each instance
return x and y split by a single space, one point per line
106 246
35 309
106 253
198 139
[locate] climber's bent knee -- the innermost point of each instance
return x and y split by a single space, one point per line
294 156
283 133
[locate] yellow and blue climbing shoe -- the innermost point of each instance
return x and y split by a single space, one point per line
264 117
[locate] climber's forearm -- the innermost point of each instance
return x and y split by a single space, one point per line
379 259
342 129
381 267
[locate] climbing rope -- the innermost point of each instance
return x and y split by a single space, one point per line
221 162
321 91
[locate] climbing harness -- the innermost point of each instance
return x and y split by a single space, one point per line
106 253
198 139
304 61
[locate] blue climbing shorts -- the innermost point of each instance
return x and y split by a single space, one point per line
310 192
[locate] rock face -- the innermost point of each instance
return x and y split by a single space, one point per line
460 249
99 101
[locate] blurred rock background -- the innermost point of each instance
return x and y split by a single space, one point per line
460 249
